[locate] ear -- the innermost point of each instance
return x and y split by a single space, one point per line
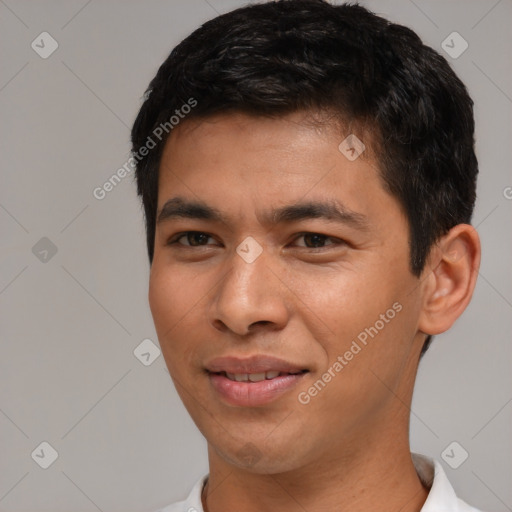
449 279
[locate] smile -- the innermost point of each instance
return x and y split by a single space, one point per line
249 393
256 377
252 381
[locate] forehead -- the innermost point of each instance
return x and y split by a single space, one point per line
265 160
298 139
268 129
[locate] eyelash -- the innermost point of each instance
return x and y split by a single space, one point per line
175 240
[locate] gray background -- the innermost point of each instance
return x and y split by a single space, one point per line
70 322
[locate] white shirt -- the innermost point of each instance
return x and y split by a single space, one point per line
441 497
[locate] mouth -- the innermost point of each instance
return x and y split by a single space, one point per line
257 377
254 365
253 381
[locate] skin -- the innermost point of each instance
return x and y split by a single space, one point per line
348 448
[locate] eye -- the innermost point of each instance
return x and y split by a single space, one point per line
317 240
200 239
194 239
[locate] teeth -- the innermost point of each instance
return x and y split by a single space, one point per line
254 377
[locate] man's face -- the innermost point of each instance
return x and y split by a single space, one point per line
331 299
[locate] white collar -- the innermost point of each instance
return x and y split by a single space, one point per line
441 497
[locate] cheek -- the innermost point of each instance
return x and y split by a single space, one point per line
379 347
345 300
174 299
172 293
162 299
371 315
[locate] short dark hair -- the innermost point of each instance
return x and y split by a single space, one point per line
285 56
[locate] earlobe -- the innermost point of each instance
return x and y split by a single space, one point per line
450 281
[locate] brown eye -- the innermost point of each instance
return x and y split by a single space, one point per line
193 238
317 240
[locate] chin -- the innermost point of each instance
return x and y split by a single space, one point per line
262 457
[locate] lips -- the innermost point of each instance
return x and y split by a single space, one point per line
252 365
255 377
253 381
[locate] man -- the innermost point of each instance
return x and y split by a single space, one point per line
308 177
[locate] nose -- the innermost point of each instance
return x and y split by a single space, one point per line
250 296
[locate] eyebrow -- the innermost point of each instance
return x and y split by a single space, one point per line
179 207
